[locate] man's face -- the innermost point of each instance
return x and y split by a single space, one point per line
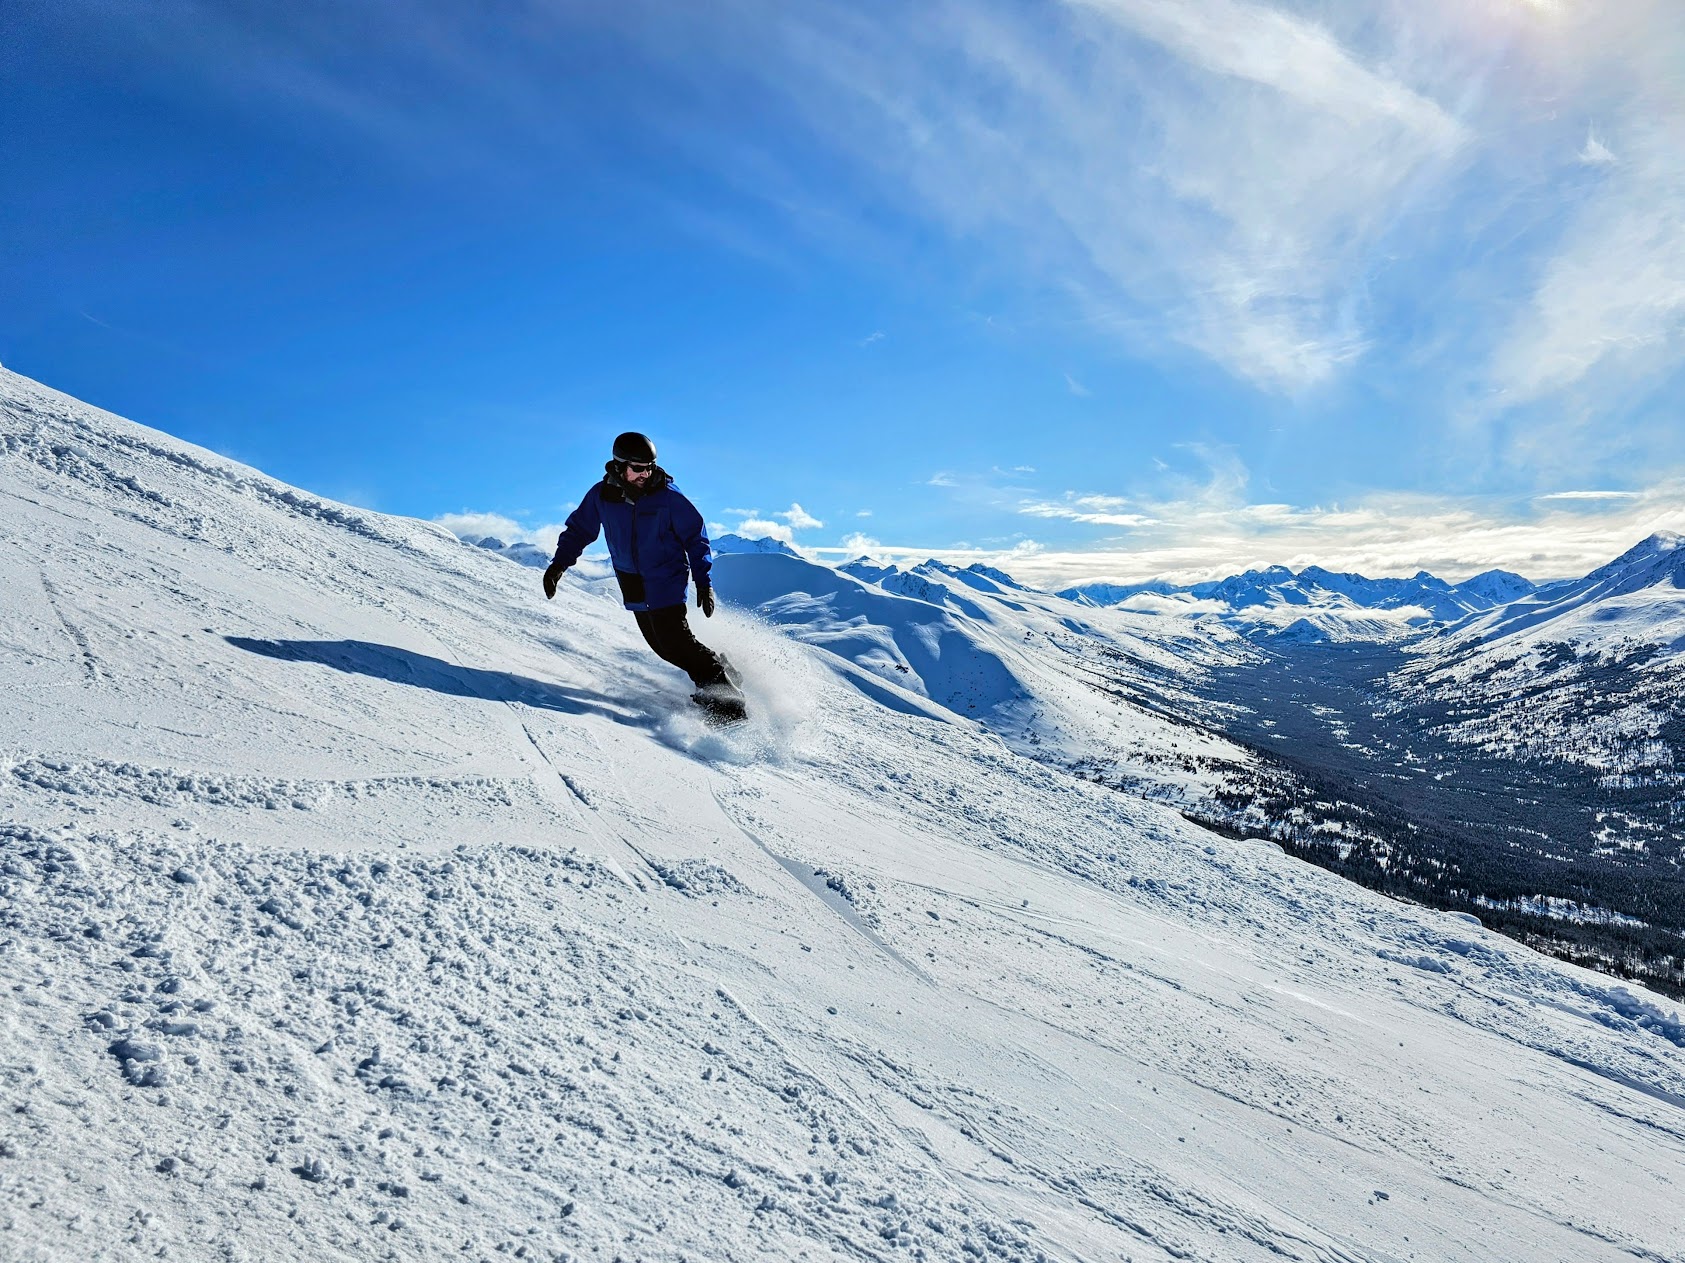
635 473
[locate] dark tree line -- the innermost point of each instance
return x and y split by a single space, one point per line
1391 801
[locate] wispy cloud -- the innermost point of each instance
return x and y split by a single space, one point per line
1225 166
1095 510
1378 535
1214 172
1547 537
993 490
1602 316
1077 388
1612 299
1490 191
1594 152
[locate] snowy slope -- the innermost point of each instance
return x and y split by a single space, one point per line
356 903
1587 669
1059 681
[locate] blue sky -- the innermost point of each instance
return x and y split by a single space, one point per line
1100 288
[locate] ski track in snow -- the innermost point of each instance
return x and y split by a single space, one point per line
356 903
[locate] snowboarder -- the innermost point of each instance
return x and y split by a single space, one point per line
655 537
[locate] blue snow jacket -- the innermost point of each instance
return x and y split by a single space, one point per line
655 536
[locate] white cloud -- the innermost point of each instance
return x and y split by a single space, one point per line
1489 189
863 513
860 544
1077 388
1268 46
800 519
473 525
765 528
1382 535
1228 194
1095 510
1545 537
1605 314
1594 152
1248 179
780 526
1613 297
1220 173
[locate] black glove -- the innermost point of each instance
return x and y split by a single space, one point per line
705 599
552 577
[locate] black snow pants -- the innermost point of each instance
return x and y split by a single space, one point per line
668 632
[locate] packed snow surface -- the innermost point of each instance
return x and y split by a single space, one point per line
357 903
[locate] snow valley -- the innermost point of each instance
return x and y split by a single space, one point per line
355 903
1500 748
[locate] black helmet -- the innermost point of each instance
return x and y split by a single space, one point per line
632 446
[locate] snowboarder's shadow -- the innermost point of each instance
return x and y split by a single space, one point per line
405 666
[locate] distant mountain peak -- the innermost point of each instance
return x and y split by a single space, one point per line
734 543
1258 596
1651 561
867 570
991 572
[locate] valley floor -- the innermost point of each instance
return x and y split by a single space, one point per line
1396 797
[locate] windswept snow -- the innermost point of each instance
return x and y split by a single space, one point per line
357 903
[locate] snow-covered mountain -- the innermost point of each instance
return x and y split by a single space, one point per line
1054 680
355 902
532 555
1318 750
732 543
1314 604
867 570
1585 670
520 551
